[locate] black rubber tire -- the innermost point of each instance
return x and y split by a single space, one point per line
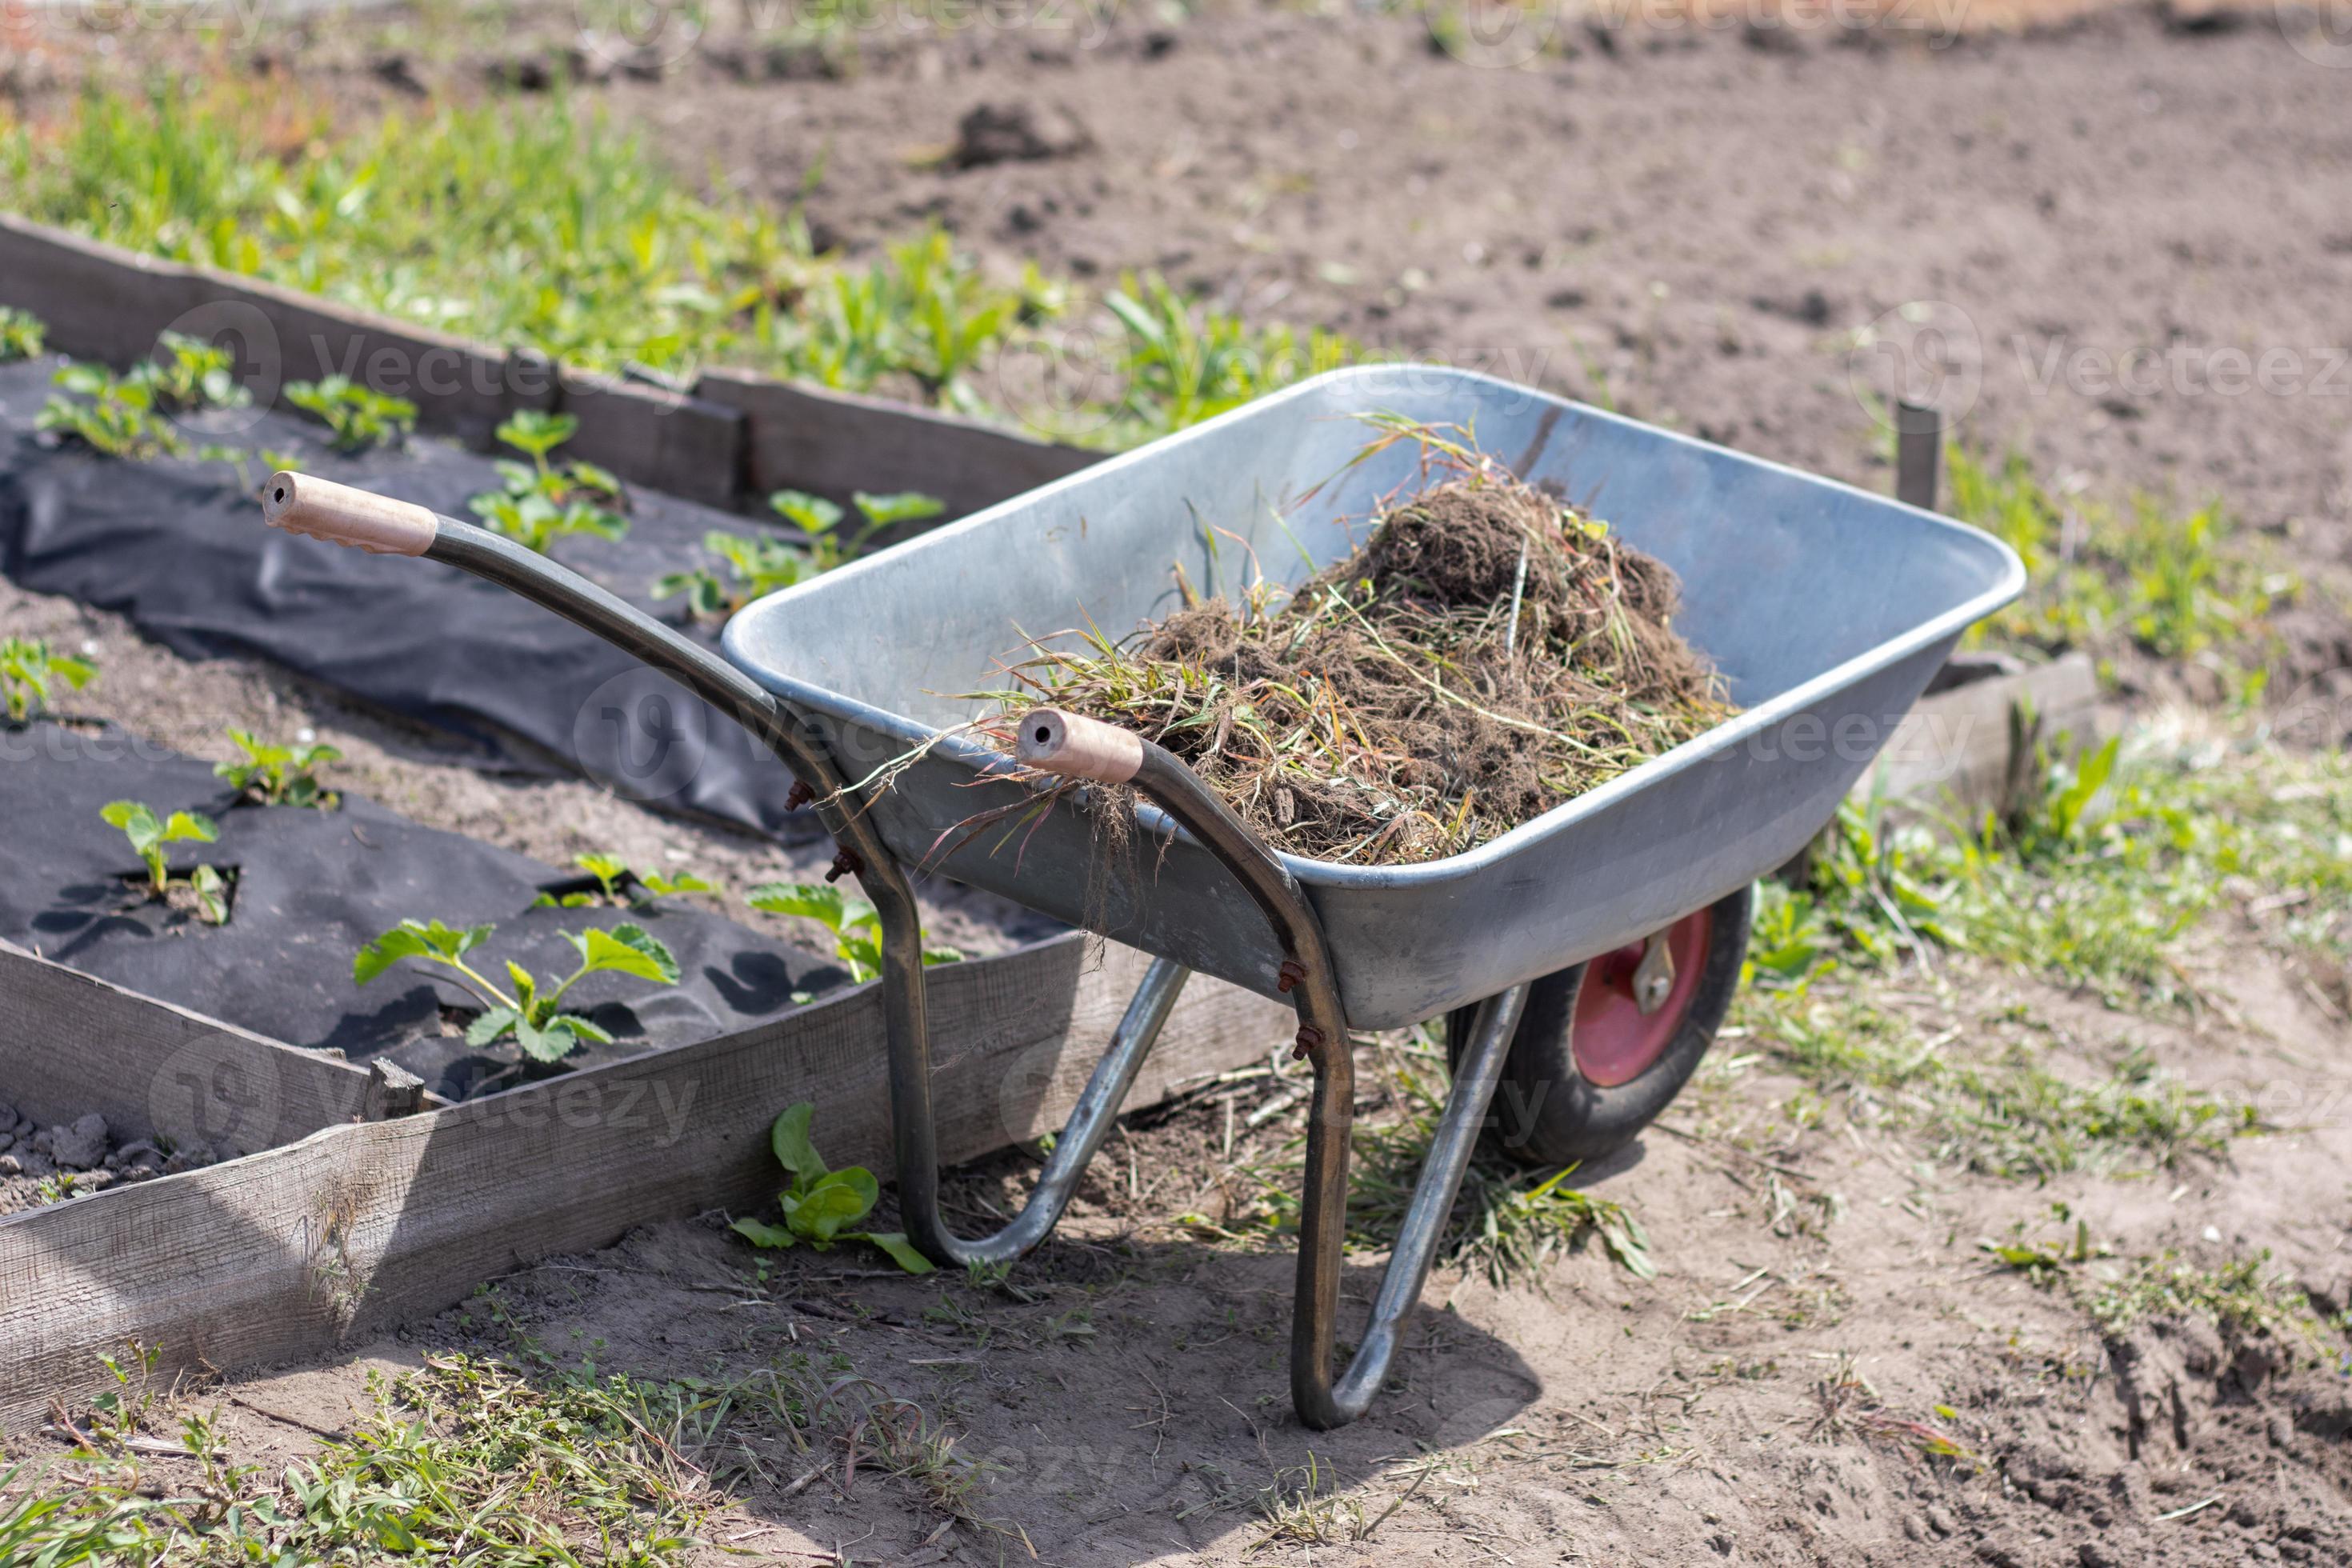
1547 1112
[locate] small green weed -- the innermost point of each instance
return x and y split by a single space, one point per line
28 667
821 1205
149 834
1181 365
1507 1222
2245 1297
280 776
359 417
2173 585
530 1014
857 929
22 336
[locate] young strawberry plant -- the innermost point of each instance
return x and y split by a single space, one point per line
820 519
620 887
857 929
541 501
22 336
820 1205
149 834
27 667
758 567
531 1012
118 419
280 776
359 416
126 415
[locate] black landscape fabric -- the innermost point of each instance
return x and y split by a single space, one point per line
310 887
180 548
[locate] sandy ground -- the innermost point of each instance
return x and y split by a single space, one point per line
1824 1311
1712 233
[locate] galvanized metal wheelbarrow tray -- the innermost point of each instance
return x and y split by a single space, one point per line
1827 608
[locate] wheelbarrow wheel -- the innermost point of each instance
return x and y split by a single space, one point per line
1587 1069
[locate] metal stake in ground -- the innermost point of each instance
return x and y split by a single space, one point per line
1918 453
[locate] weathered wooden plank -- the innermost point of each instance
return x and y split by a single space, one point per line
290 1253
814 438
96 301
1957 749
461 388
654 437
70 1044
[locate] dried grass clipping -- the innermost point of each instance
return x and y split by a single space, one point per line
1490 653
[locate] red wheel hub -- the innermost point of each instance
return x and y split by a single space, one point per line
1612 1041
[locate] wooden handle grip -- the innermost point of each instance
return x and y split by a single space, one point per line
1077 747
341 515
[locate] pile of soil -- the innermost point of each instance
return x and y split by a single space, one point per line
1490 653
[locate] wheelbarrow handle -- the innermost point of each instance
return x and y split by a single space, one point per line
340 514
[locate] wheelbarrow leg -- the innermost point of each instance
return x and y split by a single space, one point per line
914 1132
1081 748
1322 1402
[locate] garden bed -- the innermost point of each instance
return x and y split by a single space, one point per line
312 887
178 546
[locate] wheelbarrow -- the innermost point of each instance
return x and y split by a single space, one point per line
1583 959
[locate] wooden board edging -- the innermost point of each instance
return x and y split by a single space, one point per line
294 1252
1972 748
729 442
71 1043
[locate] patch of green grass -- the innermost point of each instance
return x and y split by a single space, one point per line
465 1462
476 1462
2176 584
1508 1221
522 222
2120 853
1991 1106
2245 1297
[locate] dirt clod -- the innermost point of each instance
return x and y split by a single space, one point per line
1017 132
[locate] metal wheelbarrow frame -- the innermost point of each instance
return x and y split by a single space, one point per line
1293 954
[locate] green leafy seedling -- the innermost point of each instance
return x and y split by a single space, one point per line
532 1014
27 667
819 1204
359 416
900 506
758 567
537 522
621 887
536 433
194 375
280 776
149 834
541 503
22 336
820 519
119 418
857 929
